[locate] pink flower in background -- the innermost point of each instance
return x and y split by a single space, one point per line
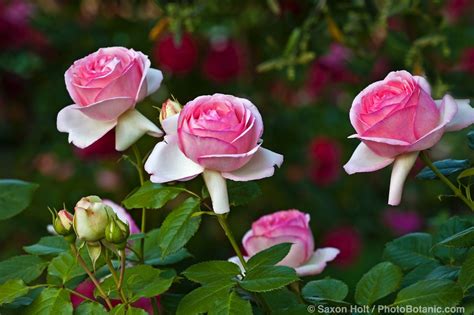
288 226
105 86
402 222
325 160
101 149
395 119
216 135
48 164
467 60
348 241
176 56
108 180
224 61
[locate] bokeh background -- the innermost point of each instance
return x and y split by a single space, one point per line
301 62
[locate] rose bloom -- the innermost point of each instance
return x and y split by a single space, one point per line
288 226
217 135
105 87
325 160
176 56
224 61
395 119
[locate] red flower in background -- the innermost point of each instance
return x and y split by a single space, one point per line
224 61
348 241
455 9
176 56
101 149
402 222
325 160
467 60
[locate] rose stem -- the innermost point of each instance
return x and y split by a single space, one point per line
82 263
116 278
223 222
139 166
424 157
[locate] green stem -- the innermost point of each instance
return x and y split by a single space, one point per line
82 263
154 305
116 279
122 268
139 167
424 157
223 222
79 295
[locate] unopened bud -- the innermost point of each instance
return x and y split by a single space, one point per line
90 218
62 223
117 232
168 109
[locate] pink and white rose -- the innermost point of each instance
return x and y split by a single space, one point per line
395 119
216 135
288 226
105 87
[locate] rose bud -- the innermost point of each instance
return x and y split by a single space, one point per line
62 223
117 232
90 218
168 109
290 226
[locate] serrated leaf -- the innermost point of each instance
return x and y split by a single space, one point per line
463 239
201 300
48 245
267 278
51 302
466 274
179 226
152 196
280 300
452 226
15 196
444 272
410 250
233 304
331 289
11 290
65 267
210 271
122 310
269 256
379 282
89 308
446 167
419 273
442 293
24 267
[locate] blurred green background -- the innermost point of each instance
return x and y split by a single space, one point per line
301 62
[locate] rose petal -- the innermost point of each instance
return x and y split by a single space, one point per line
365 160
401 168
154 77
109 109
316 264
463 118
261 165
132 126
217 187
83 130
170 125
167 163
226 162
236 261
423 84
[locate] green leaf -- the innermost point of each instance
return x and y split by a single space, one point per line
410 250
379 282
210 271
419 273
331 289
152 196
442 293
179 226
65 267
11 290
25 267
452 226
233 304
444 272
121 310
48 245
267 278
15 196
470 139
240 193
466 173
269 256
89 308
446 167
202 299
466 275
463 239
142 281
51 302
280 300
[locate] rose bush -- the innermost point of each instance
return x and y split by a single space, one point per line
105 87
395 119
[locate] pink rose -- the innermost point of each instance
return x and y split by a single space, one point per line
288 226
395 119
105 86
217 135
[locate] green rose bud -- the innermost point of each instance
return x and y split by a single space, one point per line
62 223
117 232
90 218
